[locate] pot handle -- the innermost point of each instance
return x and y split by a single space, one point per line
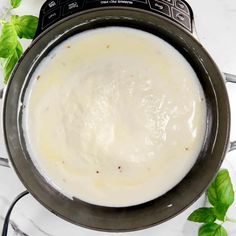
231 79
3 161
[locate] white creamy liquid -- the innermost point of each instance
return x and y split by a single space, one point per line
114 117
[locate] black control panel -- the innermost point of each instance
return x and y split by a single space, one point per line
54 10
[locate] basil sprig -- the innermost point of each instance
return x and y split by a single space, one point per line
221 197
12 30
15 3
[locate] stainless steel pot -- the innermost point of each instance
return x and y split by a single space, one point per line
171 20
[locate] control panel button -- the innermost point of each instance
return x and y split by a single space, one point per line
182 18
182 6
63 1
169 1
48 6
89 1
160 7
142 1
72 7
51 17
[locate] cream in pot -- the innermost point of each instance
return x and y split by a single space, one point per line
114 116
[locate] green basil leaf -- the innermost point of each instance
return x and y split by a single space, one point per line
11 61
8 40
212 230
203 215
15 3
221 190
220 211
25 26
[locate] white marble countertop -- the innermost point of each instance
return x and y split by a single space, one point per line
215 23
